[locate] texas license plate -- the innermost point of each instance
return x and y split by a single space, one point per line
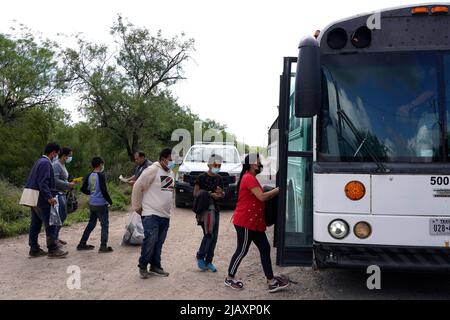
439 227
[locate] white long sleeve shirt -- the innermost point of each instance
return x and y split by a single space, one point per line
153 192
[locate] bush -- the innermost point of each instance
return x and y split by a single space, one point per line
120 196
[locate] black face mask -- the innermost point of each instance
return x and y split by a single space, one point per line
259 170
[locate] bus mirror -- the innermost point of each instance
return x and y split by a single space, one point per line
308 79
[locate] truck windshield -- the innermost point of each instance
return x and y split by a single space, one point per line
199 154
391 102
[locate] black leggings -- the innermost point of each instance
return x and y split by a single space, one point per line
244 239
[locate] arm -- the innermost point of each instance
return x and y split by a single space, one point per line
141 185
103 188
196 190
43 180
219 193
61 185
84 187
264 196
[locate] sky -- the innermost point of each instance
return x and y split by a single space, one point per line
233 77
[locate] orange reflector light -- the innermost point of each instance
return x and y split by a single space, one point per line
440 9
355 190
419 10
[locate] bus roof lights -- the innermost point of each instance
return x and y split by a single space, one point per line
337 38
439 10
362 37
419 10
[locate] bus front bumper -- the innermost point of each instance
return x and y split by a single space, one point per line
434 259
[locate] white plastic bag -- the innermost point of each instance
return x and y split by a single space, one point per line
55 219
134 230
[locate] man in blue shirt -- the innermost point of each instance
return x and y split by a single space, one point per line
42 178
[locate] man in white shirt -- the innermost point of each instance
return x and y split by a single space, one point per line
152 198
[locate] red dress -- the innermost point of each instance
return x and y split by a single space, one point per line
249 211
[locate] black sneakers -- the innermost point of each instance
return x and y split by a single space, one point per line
105 249
159 272
37 253
84 246
58 254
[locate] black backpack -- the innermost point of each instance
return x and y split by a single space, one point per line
72 202
271 210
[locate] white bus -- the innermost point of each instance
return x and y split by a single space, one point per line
364 119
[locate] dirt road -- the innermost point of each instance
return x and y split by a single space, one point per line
115 275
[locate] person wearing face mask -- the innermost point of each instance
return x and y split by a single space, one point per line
41 178
94 185
249 222
211 184
63 186
152 198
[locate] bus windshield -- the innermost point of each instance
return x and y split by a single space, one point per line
381 106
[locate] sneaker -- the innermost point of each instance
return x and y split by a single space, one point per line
105 249
84 246
234 284
143 273
37 253
201 264
211 267
279 283
159 271
57 254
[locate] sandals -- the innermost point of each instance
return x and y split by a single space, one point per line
234 284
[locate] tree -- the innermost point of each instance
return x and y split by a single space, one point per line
126 88
29 75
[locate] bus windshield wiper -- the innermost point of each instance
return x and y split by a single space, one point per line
362 141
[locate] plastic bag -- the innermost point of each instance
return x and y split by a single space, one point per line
55 219
134 231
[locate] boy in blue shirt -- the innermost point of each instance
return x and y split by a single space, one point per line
94 185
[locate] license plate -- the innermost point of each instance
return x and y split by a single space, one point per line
439 227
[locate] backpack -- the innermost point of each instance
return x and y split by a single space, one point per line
271 208
72 202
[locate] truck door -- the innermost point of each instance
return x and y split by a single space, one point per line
294 232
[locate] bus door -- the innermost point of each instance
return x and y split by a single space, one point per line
294 232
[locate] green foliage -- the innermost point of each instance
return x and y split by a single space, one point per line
29 74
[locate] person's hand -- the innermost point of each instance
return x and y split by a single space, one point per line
72 185
219 190
52 201
131 182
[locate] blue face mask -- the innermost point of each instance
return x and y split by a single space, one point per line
171 165
215 170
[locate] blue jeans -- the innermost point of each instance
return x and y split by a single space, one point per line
100 213
39 217
208 244
62 200
155 232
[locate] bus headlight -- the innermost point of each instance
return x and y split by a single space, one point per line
338 229
362 230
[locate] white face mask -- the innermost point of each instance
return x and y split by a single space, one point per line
103 168
69 160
